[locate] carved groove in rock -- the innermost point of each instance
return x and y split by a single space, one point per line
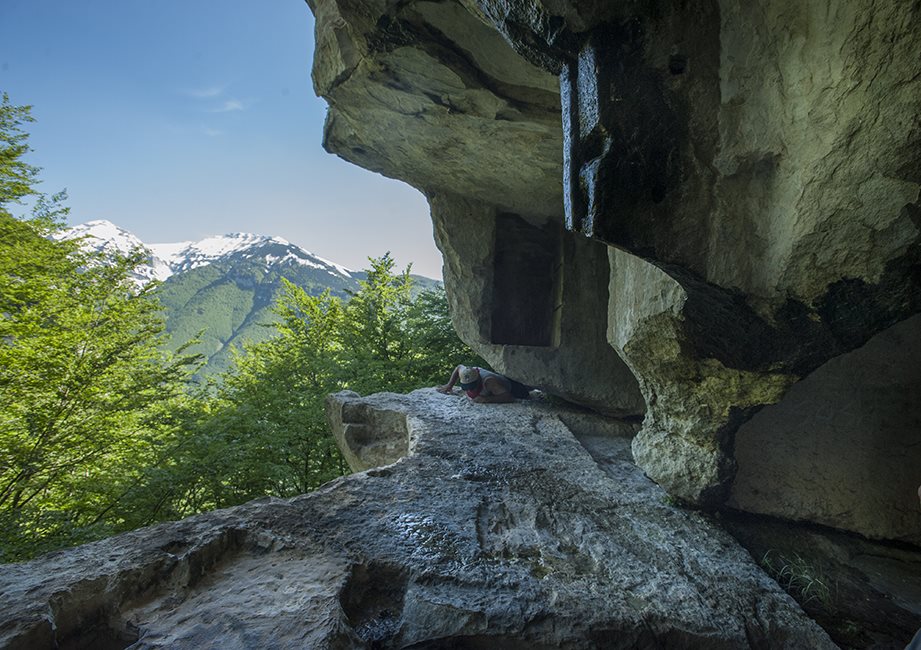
373 601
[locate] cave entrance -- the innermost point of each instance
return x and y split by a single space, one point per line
526 297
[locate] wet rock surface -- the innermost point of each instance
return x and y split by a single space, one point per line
517 525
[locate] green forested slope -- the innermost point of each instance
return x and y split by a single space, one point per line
100 430
230 301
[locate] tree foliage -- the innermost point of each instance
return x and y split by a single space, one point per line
262 431
99 430
17 177
82 376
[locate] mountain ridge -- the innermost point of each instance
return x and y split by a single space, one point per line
223 286
167 259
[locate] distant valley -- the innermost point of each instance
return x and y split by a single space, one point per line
224 286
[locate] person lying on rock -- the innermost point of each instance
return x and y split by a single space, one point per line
485 386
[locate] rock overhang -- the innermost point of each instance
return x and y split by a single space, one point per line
759 161
371 539
428 93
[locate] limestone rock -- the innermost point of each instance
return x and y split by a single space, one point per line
756 161
843 447
748 151
686 441
368 437
485 122
486 144
503 529
545 329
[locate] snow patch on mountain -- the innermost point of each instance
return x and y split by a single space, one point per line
105 237
210 249
271 260
168 251
341 270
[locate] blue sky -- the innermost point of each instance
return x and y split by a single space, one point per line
178 119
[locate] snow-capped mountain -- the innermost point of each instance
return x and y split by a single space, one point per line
105 237
184 256
167 259
220 290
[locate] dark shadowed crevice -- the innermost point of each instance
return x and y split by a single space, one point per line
864 593
526 276
373 602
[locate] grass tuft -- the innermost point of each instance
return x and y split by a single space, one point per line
798 577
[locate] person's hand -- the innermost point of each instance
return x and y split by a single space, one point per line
444 389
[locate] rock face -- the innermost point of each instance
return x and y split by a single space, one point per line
510 526
723 194
685 211
486 146
486 123
843 446
544 329
865 594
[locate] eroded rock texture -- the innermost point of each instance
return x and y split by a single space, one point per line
511 526
746 174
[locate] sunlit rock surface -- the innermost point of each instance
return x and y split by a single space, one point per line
511 526
751 170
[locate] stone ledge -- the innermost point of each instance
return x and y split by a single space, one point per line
500 530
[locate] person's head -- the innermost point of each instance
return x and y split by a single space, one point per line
469 377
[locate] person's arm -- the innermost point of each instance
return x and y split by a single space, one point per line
453 380
498 393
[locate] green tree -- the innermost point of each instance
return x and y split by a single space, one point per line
435 349
263 431
99 431
393 341
374 337
81 372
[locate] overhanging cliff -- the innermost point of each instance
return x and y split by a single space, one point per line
702 213
676 209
